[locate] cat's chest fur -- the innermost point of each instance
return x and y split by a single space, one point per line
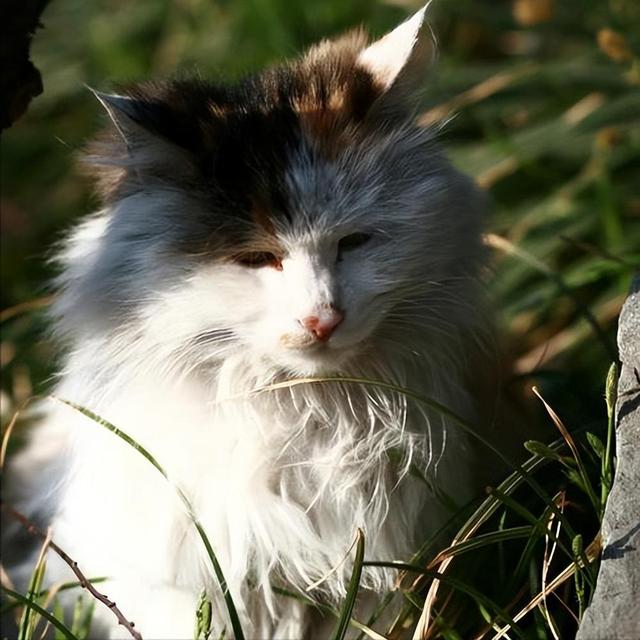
280 479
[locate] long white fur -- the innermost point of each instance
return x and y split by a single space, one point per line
280 479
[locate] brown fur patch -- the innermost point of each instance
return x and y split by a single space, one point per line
338 95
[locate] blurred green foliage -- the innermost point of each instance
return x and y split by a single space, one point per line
540 101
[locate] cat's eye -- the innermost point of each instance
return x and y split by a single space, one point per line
257 259
353 241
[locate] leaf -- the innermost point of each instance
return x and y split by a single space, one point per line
585 482
542 450
58 612
77 614
44 594
611 389
576 478
203 618
596 444
577 545
28 620
512 533
84 623
456 583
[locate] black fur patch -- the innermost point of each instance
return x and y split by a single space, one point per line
241 137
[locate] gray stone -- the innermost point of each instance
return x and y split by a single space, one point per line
614 613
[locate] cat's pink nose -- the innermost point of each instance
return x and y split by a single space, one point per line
324 324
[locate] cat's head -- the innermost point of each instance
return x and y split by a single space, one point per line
300 215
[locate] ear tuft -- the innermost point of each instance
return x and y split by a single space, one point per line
403 54
116 105
144 115
124 112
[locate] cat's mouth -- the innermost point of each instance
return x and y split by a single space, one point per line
313 356
297 340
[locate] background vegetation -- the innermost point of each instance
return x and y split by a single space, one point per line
541 101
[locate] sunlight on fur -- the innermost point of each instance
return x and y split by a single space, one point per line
258 237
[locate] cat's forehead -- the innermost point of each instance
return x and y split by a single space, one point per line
283 135
305 141
319 95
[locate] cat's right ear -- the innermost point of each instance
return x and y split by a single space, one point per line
399 60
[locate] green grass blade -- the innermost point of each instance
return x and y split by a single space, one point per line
10 606
584 480
58 612
356 624
60 626
512 533
459 585
76 618
538 526
530 260
222 582
29 618
352 591
82 616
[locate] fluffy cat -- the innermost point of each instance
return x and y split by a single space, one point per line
297 224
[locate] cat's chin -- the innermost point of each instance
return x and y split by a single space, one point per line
314 362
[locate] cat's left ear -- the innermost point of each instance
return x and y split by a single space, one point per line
123 112
141 120
398 61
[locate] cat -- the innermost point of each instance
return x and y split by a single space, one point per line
295 226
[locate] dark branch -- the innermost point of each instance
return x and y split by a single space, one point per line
20 81
31 528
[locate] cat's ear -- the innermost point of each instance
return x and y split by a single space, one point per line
140 120
398 60
123 113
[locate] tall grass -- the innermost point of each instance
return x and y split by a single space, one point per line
426 611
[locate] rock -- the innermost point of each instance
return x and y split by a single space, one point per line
614 613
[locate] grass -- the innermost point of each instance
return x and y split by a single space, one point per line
420 612
545 120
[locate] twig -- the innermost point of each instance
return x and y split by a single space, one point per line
478 92
24 307
36 531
